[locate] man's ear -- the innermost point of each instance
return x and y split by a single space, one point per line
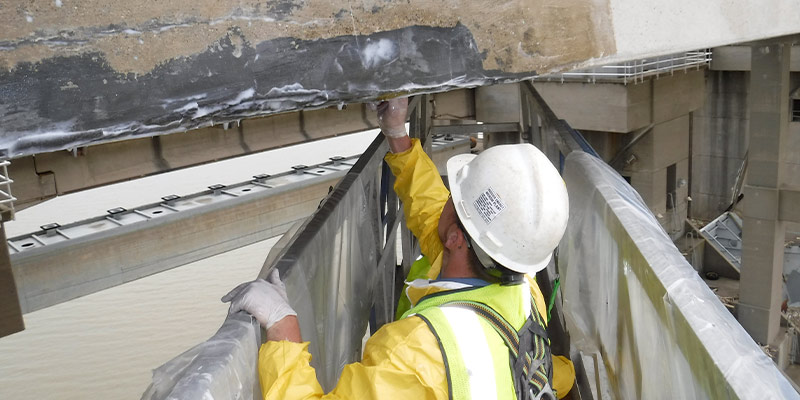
455 239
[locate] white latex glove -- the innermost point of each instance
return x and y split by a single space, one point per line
264 299
392 117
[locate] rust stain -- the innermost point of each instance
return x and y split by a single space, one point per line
135 37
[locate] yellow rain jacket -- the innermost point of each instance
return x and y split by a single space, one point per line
402 360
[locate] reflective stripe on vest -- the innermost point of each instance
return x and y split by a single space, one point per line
477 358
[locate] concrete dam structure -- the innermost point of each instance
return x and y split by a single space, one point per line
670 123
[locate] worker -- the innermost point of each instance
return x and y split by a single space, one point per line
476 326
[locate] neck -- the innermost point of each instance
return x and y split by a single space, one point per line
455 270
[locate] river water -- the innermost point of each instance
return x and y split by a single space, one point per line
105 345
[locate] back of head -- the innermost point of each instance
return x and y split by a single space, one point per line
513 204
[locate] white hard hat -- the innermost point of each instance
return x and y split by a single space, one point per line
512 202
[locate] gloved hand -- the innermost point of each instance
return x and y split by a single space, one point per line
266 300
392 117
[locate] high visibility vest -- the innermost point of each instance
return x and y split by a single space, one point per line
478 350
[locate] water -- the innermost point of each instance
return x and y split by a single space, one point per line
105 345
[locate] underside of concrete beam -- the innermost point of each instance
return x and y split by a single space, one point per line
43 176
100 71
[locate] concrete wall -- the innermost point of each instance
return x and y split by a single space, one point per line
791 169
606 107
619 108
792 150
611 114
737 58
700 125
665 146
719 141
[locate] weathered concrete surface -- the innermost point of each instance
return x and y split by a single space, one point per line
137 37
75 74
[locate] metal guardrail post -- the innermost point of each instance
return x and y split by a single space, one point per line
557 137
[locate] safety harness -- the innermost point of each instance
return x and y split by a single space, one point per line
528 349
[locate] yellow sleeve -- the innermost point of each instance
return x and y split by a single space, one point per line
423 194
402 360
538 298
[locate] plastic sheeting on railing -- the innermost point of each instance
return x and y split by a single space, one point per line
330 267
629 294
221 368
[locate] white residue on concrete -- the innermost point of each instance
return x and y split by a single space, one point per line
189 106
167 102
247 94
203 111
28 17
378 53
289 90
58 131
247 18
59 3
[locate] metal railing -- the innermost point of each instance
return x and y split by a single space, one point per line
340 269
6 198
636 71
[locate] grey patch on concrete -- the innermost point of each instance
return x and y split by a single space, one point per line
720 141
158 154
280 9
791 270
793 288
342 14
242 141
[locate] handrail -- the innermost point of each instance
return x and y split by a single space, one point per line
339 268
6 198
635 71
